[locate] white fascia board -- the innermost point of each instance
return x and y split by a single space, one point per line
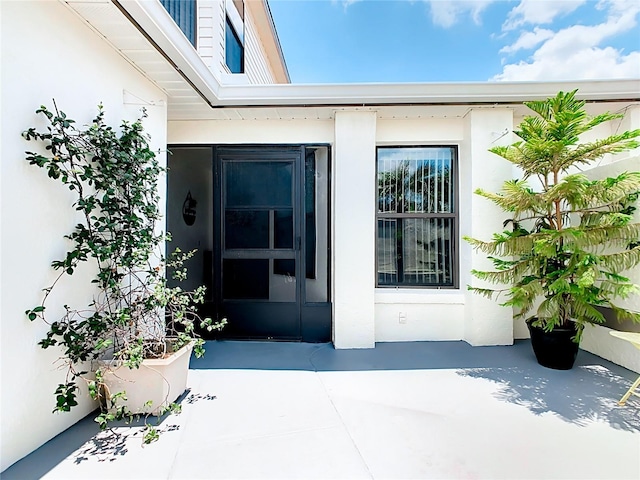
424 93
158 25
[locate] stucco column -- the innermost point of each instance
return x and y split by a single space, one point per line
354 229
486 322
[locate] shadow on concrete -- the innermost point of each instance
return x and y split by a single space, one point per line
85 440
580 396
108 445
587 392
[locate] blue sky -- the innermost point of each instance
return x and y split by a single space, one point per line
347 41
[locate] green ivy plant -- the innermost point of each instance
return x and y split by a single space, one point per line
571 238
134 314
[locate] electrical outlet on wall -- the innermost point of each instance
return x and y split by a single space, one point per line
402 318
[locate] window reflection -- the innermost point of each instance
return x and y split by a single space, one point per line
416 216
259 184
415 180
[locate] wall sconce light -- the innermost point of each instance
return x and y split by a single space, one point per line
189 210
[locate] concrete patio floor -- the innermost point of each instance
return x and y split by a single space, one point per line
402 410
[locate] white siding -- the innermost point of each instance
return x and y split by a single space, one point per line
77 68
205 26
210 43
256 65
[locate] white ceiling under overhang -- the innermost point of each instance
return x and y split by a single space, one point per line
106 19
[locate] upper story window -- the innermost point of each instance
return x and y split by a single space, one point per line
184 13
234 36
417 217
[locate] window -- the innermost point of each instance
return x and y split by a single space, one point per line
417 216
234 36
183 13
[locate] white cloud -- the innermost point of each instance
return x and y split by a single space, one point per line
539 12
586 64
617 6
446 13
577 52
528 40
345 3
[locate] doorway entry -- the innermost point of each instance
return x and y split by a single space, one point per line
265 229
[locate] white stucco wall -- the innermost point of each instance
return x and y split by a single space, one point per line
363 314
354 229
393 314
415 314
629 121
608 165
353 137
486 322
251 131
419 315
47 52
629 164
597 339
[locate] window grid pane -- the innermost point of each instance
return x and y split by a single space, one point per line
416 216
426 251
387 252
234 50
415 180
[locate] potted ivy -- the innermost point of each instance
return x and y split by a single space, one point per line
570 239
137 333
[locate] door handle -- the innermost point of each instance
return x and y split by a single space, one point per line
298 243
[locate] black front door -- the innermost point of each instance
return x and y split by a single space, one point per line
267 235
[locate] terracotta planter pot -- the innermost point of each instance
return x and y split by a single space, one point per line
160 381
554 349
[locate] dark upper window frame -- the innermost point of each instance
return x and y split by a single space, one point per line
185 14
455 215
231 28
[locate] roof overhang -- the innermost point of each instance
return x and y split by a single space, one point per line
146 35
461 93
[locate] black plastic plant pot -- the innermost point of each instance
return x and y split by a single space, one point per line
555 349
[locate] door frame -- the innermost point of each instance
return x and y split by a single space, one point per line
314 319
